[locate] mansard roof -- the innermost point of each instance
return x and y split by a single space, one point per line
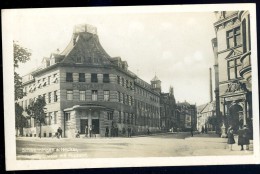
85 46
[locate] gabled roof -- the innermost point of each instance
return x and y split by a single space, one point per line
208 107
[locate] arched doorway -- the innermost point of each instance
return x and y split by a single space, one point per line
235 117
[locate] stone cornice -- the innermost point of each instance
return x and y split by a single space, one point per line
220 22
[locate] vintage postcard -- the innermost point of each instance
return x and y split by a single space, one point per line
130 86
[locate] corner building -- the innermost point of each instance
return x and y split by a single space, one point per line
84 86
232 50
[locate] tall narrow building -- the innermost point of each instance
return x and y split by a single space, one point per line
232 48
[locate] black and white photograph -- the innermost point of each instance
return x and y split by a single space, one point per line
93 87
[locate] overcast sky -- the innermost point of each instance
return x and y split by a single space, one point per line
176 46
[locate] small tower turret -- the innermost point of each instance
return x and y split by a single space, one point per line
156 84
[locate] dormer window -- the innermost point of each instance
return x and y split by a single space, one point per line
52 61
78 60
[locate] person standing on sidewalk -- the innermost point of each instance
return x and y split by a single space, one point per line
191 131
246 137
86 131
90 131
129 131
241 138
230 135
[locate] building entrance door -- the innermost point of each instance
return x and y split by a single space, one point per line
234 117
95 124
83 124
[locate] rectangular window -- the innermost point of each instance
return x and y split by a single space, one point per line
69 77
126 99
110 116
94 78
25 89
94 95
123 98
131 85
49 97
82 95
233 37
25 104
106 95
118 79
49 80
81 77
118 96
130 100
55 117
123 82
234 66
69 95
238 68
119 117
126 83
55 78
49 118
67 116
127 118
55 96
105 78
124 117
44 97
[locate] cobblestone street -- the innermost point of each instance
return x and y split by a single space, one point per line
160 145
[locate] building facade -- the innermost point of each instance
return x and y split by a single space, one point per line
168 111
232 50
84 87
186 116
206 117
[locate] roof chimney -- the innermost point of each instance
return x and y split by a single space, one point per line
210 85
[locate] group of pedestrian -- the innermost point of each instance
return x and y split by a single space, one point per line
114 131
243 137
90 131
204 130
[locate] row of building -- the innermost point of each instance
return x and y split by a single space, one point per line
84 86
232 65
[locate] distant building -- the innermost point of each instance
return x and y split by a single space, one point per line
232 49
186 116
206 116
168 111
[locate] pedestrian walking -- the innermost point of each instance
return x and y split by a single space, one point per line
59 132
191 131
90 131
246 137
231 139
94 131
116 131
129 131
202 129
77 134
148 131
86 131
241 139
107 132
206 129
